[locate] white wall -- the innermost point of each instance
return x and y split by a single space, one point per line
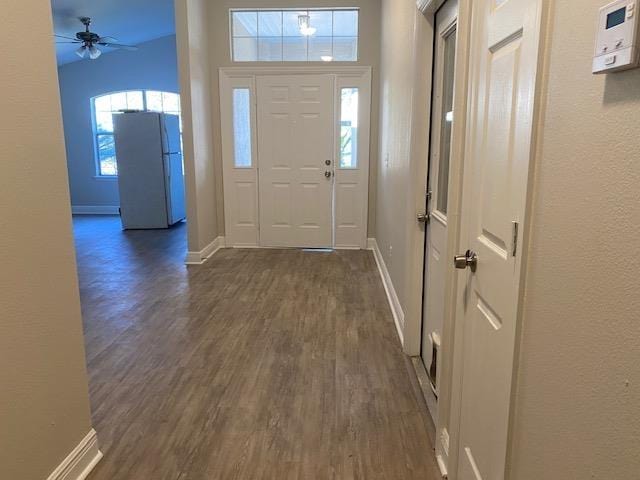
578 399
152 67
44 404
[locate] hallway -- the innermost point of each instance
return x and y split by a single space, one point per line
258 364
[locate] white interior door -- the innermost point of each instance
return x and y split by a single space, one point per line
436 258
295 142
504 61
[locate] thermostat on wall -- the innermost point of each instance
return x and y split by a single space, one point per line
617 38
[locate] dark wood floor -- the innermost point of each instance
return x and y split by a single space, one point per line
259 364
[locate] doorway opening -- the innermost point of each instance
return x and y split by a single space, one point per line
436 234
120 105
120 102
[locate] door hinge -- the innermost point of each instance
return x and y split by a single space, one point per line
514 238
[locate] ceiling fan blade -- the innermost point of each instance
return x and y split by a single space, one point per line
65 37
108 40
68 42
118 45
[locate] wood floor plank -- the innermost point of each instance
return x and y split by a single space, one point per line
259 364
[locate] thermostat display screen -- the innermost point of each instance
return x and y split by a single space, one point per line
616 18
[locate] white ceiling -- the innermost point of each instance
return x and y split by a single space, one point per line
130 21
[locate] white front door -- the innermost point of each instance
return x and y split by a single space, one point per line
295 148
436 258
504 59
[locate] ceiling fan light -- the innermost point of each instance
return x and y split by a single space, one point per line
94 52
82 51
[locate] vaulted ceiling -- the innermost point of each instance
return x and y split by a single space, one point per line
130 21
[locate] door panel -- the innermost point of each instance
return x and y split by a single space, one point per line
504 64
295 138
436 258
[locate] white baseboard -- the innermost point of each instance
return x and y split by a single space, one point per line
95 209
80 461
392 297
198 258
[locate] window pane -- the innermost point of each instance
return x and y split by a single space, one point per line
345 23
102 104
446 122
290 25
170 102
154 101
294 49
270 49
245 24
345 49
319 47
275 35
322 21
242 127
104 122
107 155
269 24
349 128
134 101
118 101
245 49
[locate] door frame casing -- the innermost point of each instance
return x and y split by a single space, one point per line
344 77
445 433
448 18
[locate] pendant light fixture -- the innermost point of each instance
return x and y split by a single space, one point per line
304 22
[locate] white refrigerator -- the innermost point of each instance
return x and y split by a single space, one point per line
150 176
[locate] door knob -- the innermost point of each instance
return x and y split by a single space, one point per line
327 174
423 217
469 259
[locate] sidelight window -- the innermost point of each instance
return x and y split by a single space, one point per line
242 127
349 127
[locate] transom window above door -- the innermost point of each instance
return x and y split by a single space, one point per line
103 108
307 35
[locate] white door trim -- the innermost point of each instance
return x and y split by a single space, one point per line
420 148
244 232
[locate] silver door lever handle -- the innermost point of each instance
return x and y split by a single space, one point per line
423 217
469 259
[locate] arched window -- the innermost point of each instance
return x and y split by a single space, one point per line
103 108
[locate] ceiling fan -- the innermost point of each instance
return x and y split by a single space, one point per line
88 41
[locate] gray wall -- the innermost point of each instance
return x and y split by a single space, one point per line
152 67
395 224
195 69
44 401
